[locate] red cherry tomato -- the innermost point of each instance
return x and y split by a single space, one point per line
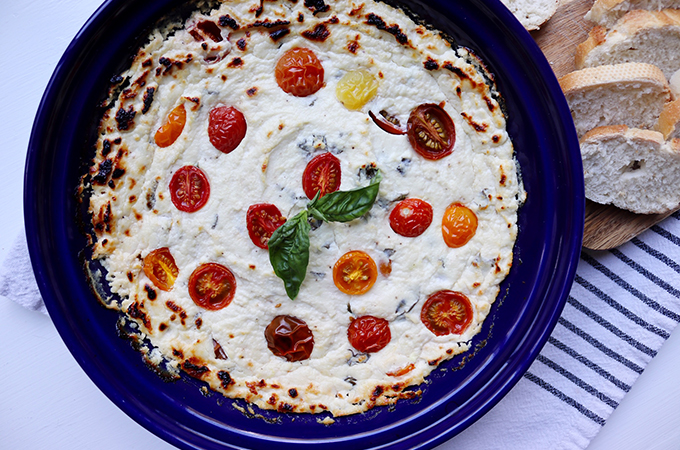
387 123
355 273
212 286
168 133
459 225
262 220
447 312
369 334
411 217
226 128
299 72
189 189
431 131
159 266
290 338
321 174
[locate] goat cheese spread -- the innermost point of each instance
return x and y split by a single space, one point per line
251 113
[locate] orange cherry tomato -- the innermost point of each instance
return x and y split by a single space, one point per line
431 131
168 133
189 189
262 220
212 286
411 217
447 312
369 334
159 266
321 174
226 128
290 338
355 273
299 72
459 225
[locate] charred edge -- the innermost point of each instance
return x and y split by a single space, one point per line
103 172
489 104
458 71
377 392
285 407
136 312
320 33
227 21
317 6
150 292
275 35
431 64
394 30
148 99
125 118
225 378
194 370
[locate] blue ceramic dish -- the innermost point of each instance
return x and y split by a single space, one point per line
531 300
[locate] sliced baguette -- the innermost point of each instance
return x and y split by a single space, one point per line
632 169
669 120
532 13
608 12
651 37
629 94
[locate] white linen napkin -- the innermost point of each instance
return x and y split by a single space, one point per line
622 307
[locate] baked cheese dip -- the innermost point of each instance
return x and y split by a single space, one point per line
305 205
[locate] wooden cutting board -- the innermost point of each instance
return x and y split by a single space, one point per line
605 226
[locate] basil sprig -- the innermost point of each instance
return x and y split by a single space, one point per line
289 244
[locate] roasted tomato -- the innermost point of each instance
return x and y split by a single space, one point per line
431 131
356 88
387 123
321 174
226 128
459 225
189 189
262 220
355 273
290 338
168 133
447 312
369 334
159 266
411 217
299 72
212 286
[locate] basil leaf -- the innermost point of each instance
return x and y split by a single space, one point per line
289 252
343 206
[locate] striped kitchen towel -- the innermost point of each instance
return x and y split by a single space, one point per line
622 307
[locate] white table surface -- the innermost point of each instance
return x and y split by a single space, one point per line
47 401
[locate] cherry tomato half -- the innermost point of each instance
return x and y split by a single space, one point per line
459 225
299 72
290 338
387 123
168 133
262 220
226 128
212 286
369 334
431 131
411 217
355 273
159 266
447 312
189 189
321 174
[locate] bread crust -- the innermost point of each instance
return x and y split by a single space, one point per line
618 73
669 120
607 12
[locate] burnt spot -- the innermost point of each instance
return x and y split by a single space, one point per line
489 104
300 17
116 79
136 311
431 64
106 147
150 292
198 322
103 219
275 35
177 353
103 172
317 6
112 185
285 407
172 306
496 138
225 378
125 117
377 392
130 276
251 92
260 9
117 173
194 369
242 44
459 91
353 46
333 20
117 141
148 99
292 392
394 30
269 24
320 33
236 62
479 127
162 327
141 80
147 63
227 21
449 351
433 362
457 70
273 399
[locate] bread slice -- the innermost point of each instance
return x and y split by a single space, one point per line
651 37
669 120
632 169
629 94
608 12
532 13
